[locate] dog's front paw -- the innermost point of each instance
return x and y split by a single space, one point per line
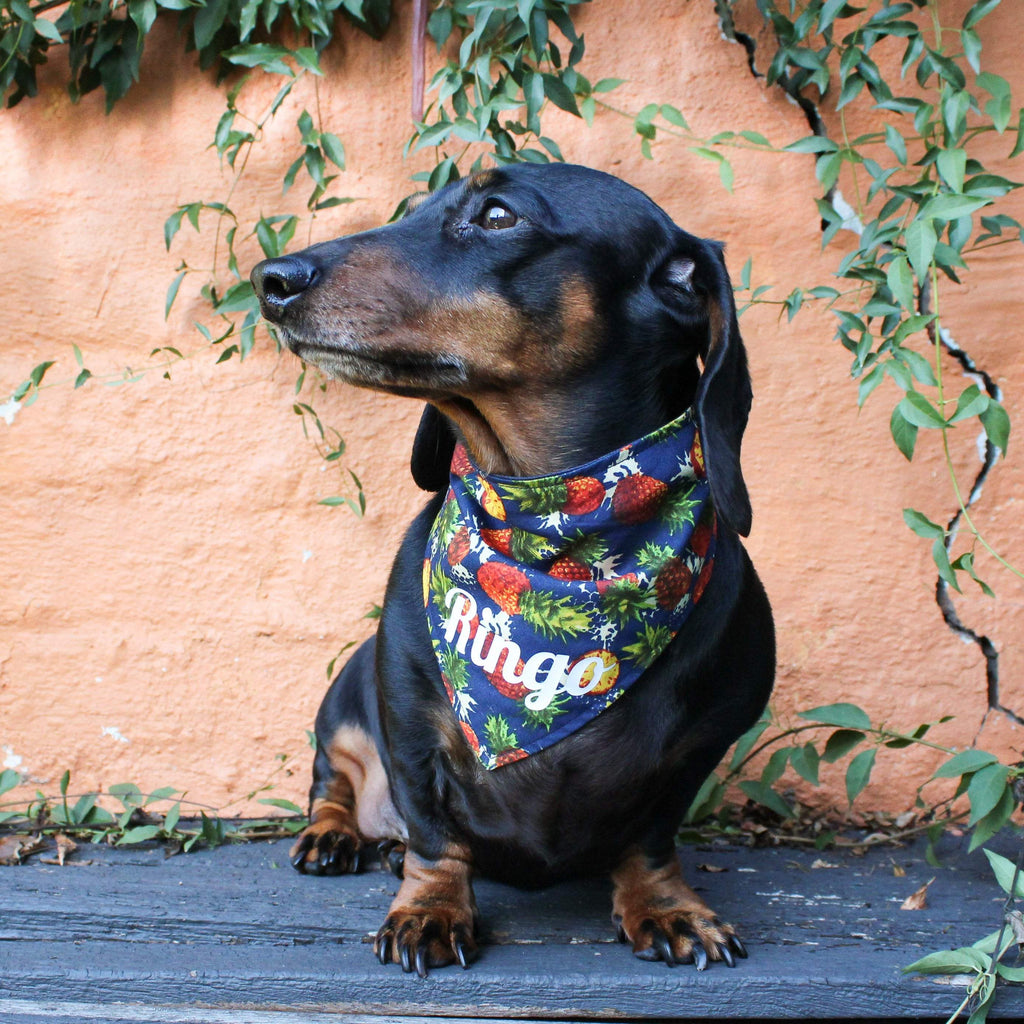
419 938
665 919
432 921
327 847
677 936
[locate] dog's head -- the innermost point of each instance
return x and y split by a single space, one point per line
549 313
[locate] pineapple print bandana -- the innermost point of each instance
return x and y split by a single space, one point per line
548 597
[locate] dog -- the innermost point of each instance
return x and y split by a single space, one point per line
560 328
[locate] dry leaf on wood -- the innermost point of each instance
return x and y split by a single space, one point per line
1015 921
65 847
917 900
15 849
713 868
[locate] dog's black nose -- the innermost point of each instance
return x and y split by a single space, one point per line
281 281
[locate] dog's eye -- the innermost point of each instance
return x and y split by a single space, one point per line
496 217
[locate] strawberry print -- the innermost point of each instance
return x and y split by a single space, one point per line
583 495
499 540
637 498
458 547
461 466
547 598
567 568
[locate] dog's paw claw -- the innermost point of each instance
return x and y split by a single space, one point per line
418 942
680 939
392 856
326 851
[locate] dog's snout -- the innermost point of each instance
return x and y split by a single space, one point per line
279 282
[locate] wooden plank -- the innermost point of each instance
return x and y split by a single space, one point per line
235 932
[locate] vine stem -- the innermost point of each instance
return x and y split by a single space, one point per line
882 735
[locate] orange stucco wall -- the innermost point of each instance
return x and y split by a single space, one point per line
171 590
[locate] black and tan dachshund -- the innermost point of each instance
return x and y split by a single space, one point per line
548 315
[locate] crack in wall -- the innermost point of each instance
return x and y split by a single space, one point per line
970 369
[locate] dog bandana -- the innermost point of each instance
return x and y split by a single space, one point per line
547 597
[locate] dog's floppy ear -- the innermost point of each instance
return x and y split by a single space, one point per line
432 451
723 395
722 401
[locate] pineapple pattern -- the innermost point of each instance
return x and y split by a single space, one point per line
548 597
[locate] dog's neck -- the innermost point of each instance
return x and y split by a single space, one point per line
545 432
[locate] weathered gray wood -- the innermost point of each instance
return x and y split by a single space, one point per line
236 935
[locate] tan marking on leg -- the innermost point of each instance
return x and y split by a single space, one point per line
356 807
658 912
432 920
354 759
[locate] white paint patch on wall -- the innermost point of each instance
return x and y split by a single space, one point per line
114 733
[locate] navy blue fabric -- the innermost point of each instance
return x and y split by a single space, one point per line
548 597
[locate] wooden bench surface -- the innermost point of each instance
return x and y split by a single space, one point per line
236 935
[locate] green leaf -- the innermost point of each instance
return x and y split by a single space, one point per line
608 84
260 55
83 808
952 165
965 960
1018 146
998 108
918 410
171 818
237 299
9 778
812 144
773 770
172 293
746 742
995 820
997 424
986 790
963 763
840 743
209 18
845 716
972 402
978 11
894 140
284 805
306 57
674 116
805 762
1004 869
707 800
940 556
766 797
139 835
859 773
559 93
904 433
333 149
947 206
48 30
922 525
901 281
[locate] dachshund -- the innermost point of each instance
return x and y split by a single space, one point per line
551 317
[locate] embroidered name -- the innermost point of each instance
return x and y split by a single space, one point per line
544 674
